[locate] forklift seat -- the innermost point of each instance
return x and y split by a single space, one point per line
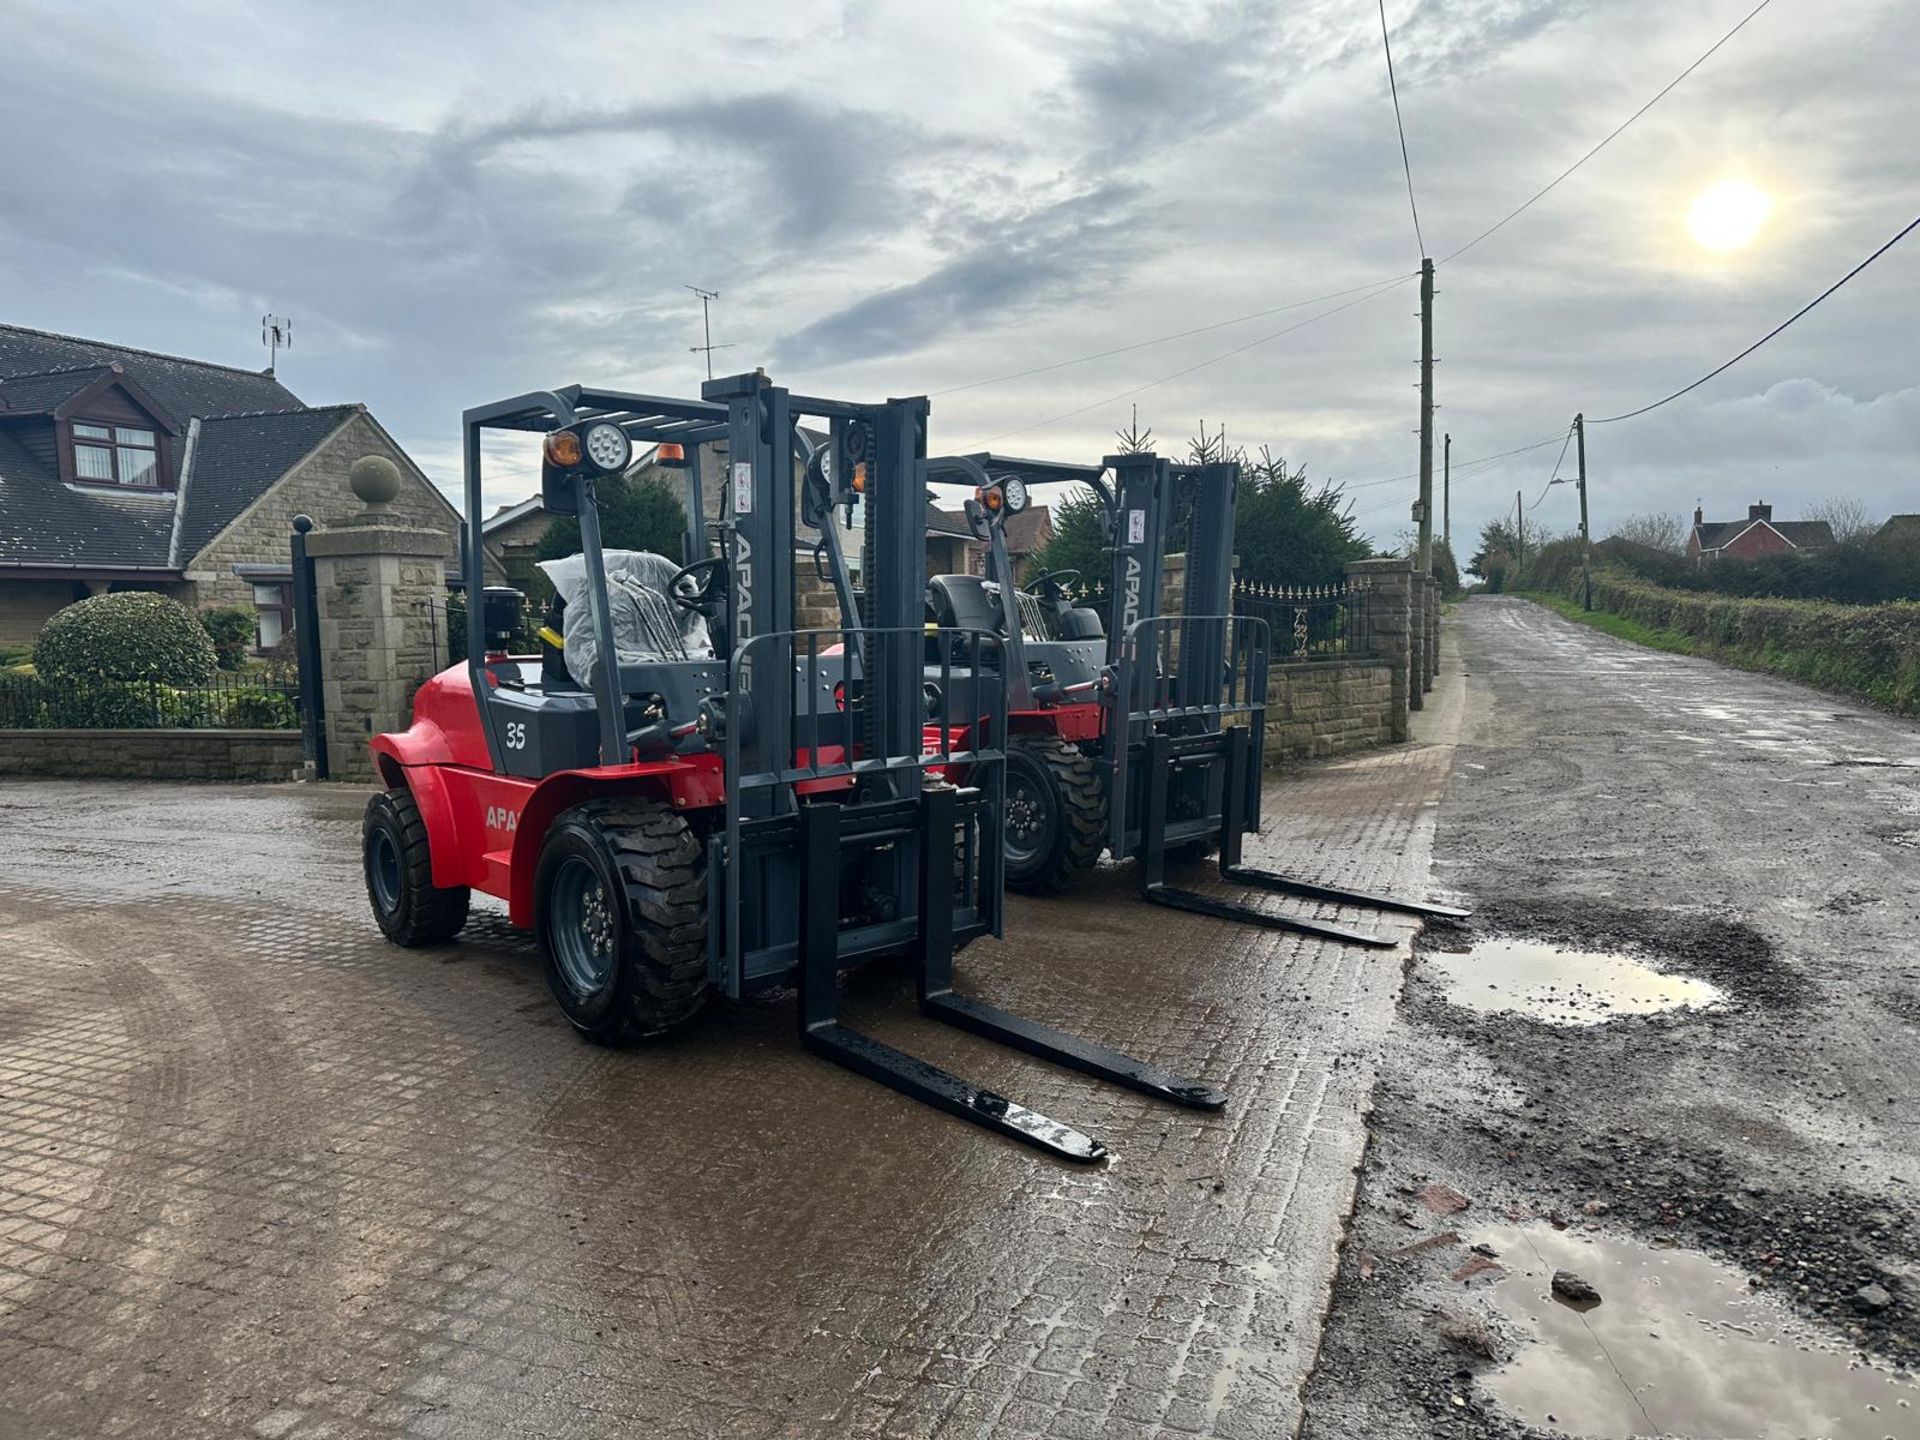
648 627
1080 623
961 602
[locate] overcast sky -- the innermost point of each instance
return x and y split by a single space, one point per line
460 202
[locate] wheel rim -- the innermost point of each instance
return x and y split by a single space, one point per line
580 928
383 869
1027 816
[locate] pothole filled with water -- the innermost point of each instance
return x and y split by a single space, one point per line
1562 987
1677 1344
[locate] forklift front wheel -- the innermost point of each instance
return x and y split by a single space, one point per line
1056 813
620 912
409 908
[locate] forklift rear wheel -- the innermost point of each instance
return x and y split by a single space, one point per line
409 907
620 909
1056 813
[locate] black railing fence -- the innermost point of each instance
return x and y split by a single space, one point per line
1311 622
267 699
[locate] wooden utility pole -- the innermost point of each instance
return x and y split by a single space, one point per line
1586 538
1519 531
1446 493
1426 417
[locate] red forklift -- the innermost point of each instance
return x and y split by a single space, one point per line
1142 743
684 795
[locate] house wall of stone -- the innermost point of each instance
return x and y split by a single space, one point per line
26 605
316 487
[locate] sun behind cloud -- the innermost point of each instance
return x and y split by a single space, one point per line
1728 215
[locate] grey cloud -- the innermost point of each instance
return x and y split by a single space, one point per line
1060 252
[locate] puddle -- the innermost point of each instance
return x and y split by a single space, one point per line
1562 987
1678 1345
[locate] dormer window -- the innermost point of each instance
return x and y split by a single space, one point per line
115 455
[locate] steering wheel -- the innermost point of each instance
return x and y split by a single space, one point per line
689 590
1057 579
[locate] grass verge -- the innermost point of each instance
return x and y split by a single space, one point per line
1619 626
1892 689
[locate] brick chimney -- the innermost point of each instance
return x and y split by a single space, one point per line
1699 516
1761 511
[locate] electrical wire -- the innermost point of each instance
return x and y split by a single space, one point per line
1406 164
1554 478
1612 135
1909 228
1190 369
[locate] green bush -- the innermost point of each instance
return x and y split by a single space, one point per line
114 705
134 635
233 631
258 710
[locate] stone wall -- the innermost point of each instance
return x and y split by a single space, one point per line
1327 707
317 486
242 755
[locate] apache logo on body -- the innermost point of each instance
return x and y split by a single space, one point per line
501 818
1130 605
743 606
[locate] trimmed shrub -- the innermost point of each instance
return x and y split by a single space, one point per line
233 631
134 635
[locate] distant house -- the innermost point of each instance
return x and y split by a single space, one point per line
123 469
1757 535
1899 530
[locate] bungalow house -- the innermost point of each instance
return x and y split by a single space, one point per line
1757 535
124 469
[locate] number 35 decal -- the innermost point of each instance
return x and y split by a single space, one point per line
516 735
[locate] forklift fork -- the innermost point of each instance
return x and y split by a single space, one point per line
1233 752
822 1032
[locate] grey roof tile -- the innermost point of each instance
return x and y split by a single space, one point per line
238 457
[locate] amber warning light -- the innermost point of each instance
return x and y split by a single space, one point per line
563 449
670 453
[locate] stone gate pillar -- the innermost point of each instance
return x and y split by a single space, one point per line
1390 601
377 585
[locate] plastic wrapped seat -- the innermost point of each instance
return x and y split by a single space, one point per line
648 628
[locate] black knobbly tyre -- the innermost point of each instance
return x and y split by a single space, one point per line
1056 813
409 907
620 910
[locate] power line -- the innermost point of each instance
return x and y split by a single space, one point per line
1611 136
1468 467
1554 478
1907 230
1406 164
1201 365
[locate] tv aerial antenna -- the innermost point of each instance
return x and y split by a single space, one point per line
276 333
707 297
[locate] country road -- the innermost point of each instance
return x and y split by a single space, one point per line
1732 829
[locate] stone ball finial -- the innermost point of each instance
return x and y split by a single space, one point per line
376 480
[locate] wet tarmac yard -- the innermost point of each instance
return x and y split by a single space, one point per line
263 1175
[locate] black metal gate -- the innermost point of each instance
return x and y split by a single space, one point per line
306 640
